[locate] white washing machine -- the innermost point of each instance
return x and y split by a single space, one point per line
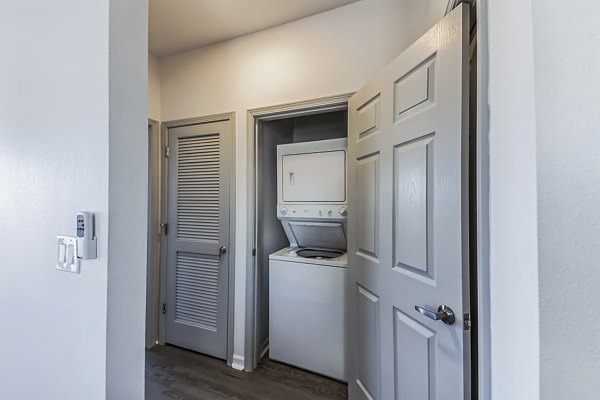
307 281
307 310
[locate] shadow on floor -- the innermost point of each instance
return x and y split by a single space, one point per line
175 373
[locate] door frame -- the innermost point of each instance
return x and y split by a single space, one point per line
164 173
154 236
482 205
254 117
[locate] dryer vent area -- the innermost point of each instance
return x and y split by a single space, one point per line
270 232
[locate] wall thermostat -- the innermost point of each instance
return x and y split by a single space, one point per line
86 235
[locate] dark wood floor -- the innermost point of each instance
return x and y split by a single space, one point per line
175 373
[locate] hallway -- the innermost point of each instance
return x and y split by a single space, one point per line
175 373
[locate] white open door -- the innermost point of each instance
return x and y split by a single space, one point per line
408 223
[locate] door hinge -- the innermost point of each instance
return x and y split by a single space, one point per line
467 321
167 151
165 228
164 308
253 252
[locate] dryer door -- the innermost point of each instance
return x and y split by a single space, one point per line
314 177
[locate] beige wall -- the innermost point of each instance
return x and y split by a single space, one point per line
153 88
327 54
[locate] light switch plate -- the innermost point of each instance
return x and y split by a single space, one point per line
67 254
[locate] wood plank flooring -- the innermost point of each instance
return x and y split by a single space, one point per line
175 373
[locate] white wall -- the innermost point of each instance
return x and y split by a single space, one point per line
327 54
69 113
53 162
514 308
128 200
545 191
154 88
567 92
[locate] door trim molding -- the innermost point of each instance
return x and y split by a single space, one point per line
484 332
231 117
154 213
253 117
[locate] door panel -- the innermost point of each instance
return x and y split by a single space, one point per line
408 241
367 205
412 206
198 176
198 215
367 118
415 90
368 360
196 288
414 351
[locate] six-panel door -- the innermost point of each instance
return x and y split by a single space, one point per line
408 158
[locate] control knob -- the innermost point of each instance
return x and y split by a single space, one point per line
343 211
283 210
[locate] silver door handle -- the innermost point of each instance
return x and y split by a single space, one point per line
222 249
444 314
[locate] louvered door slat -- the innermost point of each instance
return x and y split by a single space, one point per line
198 172
197 287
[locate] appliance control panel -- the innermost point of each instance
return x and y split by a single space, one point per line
325 211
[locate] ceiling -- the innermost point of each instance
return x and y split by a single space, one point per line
180 25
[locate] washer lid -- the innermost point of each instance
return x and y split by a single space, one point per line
320 235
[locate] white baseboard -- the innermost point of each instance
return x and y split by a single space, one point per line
238 362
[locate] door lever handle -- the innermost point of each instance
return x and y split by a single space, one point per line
444 314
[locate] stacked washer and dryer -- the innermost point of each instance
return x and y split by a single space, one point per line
307 280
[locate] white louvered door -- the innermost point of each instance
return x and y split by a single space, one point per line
198 217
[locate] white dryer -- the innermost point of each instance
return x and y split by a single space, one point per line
307 281
311 180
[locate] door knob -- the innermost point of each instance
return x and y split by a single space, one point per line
222 249
444 314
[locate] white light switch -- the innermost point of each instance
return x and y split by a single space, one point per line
62 253
67 256
71 256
